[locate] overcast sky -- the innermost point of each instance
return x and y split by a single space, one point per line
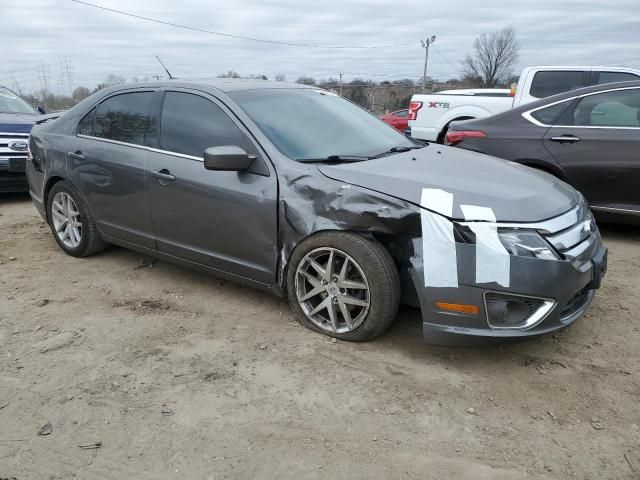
97 42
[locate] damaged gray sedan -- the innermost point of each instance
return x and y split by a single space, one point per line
297 191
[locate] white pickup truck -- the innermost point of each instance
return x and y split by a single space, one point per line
430 114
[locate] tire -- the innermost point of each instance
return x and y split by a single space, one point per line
82 241
369 265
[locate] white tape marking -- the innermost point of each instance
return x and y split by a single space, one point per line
438 243
493 262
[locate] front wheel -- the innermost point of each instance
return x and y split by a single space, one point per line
343 285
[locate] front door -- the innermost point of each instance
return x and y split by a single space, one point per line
597 143
106 160
224 220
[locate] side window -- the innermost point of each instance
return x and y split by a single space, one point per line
190 124
548 116
612 77
124 117
545 84
85 126
610 109
402 113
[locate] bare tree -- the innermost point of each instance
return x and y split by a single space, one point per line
494 56
306 80
229 74
281 77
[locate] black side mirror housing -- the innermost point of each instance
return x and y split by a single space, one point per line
41 110
227 158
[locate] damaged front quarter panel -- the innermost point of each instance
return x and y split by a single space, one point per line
309 203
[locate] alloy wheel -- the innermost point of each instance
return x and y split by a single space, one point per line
66 220
332 290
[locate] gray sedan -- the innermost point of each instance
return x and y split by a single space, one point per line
296 191
589 138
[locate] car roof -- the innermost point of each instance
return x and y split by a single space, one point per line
222 84
588 68
578 92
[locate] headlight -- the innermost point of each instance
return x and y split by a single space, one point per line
527 243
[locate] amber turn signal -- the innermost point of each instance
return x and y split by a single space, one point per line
458 308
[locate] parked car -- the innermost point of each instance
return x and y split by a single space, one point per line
430 115
16 119
397 119
340 212
589 138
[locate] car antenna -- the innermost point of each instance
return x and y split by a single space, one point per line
171 77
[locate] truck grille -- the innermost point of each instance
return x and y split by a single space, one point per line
12 160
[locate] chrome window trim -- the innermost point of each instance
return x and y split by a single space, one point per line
527 115
141 147
617 210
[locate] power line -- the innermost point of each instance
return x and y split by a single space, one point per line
239 37
437 50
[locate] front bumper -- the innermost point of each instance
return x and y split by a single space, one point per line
12 175
568 284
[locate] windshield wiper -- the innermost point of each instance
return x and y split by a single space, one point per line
397 149
335 158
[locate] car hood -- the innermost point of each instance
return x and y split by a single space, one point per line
514 192
16 123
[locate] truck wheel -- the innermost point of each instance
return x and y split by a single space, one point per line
343 285
71 222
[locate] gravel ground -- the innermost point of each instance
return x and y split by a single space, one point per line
117 367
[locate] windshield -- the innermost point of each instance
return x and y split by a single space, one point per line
315 124
12 103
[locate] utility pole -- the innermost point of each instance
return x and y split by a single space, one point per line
68 71
426 44
44 77
340 84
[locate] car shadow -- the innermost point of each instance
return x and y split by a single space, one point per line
11 198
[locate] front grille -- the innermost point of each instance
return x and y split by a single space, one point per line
575 234
12 161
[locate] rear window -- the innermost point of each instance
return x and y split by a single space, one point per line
124 117
612 77
549 115
546 84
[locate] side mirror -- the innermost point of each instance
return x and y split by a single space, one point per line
41 110
227 158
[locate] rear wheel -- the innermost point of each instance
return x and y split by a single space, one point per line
343 285
71 222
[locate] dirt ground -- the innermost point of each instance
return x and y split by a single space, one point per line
169 373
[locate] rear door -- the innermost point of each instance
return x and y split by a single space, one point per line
224 220
596 142
107 161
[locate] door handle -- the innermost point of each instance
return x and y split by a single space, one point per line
163 175
565 139
77 155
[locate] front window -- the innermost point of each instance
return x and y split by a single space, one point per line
12 103
313 124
